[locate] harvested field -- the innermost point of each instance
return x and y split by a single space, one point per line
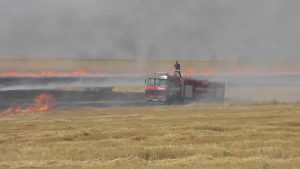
190 136
148 65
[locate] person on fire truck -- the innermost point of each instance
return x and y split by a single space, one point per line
177 68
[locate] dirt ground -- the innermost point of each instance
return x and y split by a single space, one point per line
263 136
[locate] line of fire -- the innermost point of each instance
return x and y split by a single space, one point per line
47 90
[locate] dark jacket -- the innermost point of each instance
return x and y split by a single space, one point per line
177 66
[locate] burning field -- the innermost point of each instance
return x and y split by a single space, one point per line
141 84
91 115
43 102
101 82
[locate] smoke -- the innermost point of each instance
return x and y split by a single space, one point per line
190 29
144 29
23 83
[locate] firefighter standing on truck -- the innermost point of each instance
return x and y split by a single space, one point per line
177 68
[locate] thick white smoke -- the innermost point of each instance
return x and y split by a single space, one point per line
193 29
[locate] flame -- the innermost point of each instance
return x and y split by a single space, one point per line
76 73
80 72
238 71
12 110
243 72
42 103
234 71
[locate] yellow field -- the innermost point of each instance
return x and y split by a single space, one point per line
147 65
190 136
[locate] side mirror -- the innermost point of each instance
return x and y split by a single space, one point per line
145 81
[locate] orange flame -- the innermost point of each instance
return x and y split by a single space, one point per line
80 72
42 103
235 71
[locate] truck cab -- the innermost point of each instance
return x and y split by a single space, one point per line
161 87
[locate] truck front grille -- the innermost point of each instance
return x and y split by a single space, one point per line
155 92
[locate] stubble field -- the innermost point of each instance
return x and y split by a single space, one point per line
148 65
263 136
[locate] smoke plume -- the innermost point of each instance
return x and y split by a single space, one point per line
190 29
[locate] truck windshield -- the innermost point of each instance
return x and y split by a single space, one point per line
156 82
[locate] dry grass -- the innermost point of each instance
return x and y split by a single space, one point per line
99 65
137 65
190 136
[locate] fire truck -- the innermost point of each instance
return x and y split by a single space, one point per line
166 88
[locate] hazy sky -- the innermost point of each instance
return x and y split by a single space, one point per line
199 29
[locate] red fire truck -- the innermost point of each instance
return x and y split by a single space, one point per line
166 88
